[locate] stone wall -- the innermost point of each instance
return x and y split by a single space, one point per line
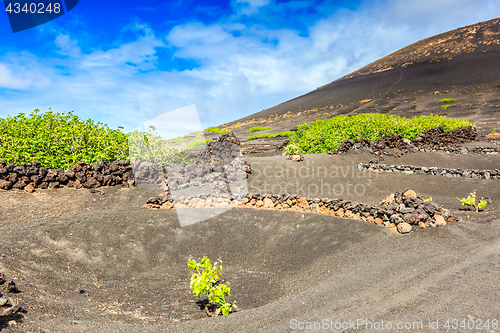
402 210
420 170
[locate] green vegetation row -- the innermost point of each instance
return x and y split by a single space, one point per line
258 129
322 136
60 140
214 129
260 136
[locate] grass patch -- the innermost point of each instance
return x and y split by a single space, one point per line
225 130
176 140
322 136
447 100
192 133
260 136
445 106
212 129
237 127
197 143
258 129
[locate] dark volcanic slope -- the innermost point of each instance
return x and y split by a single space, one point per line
461 64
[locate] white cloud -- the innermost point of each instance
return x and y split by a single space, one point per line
237 76
67 46
21 71
248 7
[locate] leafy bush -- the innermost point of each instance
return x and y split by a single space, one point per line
322 136
212 129
237 127
59 140
176 140
258 128
445 106
471 202
205 281
196 143
225 130
447 100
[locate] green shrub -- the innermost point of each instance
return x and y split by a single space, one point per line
205 281
59 140
258 128
447 100
212 129
196 143
471 202
237 127
176 140
445 106
225 130
322 136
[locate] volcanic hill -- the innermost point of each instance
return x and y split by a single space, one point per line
461 64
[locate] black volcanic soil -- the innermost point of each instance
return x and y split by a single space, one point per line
132 262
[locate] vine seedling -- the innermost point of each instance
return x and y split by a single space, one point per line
205 280
471 202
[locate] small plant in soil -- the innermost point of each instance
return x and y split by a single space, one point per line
447 100
258 129
470 201
205 281
428 199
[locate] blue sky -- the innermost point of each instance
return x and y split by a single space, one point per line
126 62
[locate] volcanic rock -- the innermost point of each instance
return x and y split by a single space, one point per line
404 228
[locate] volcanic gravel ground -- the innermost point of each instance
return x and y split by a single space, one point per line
131 263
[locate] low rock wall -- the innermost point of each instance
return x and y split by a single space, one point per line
402 210
421 170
